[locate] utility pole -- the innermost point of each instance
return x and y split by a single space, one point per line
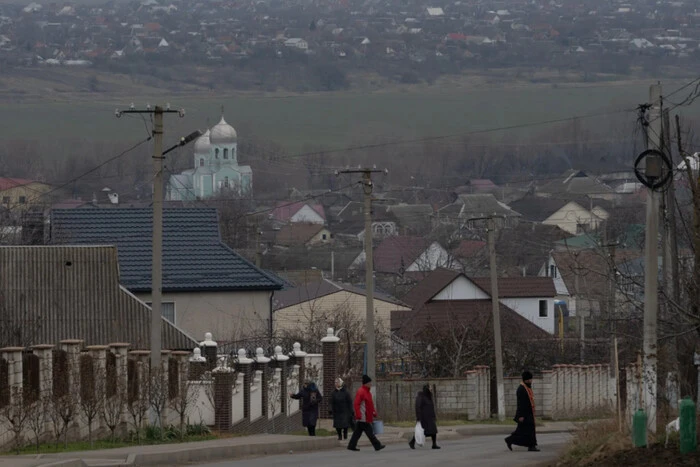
651 308
157 233
500 392
367 187
579 313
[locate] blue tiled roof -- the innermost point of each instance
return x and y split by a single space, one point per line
194 257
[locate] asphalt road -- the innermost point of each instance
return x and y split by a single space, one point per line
482 451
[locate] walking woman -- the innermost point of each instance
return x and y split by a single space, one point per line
425 414
341 409
310 399
524 434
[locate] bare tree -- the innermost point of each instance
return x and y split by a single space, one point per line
182 403
157 393
114 409
138 403
274 394
38 417
92 394
17 413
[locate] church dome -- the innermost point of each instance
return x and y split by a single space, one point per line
203 144
223 134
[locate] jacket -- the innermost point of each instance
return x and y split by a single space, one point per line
425 414
310 400
364 405
341 408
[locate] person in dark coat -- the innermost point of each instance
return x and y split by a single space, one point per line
341 409
310 399
524 434
425 414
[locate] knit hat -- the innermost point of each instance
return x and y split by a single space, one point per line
366 379
527 375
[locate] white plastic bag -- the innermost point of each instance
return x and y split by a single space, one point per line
419 434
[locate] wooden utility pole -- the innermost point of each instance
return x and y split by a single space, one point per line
157 233
671 244
500 392
651 276
367 188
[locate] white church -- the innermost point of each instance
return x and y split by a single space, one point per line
215 169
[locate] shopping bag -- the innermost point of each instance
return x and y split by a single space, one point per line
419 434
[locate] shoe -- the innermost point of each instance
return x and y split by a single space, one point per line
435 446
352 449
379 448
510 446
412 444
534 449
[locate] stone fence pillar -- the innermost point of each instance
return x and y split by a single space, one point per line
121 357
244 365
261 364
209 350
329 345
72 348
223 392
298 358
198 365
279 360
15 377
45 354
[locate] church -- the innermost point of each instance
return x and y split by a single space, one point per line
215 169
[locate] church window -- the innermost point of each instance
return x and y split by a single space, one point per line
225 153
201 162
226 184
216 153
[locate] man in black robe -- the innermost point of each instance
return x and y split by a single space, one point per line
524 434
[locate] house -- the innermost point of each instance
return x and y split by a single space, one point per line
206 285
74 292
568 215
328 302
470 210
298 234
575 183
296 43
19 194
446 300
351 222
412 219
300 212
404 254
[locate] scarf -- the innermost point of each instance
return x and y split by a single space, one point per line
531 395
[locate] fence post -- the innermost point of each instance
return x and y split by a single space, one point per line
245 367
329 346
261 364
72 348
45 354
299 360
280 362
209 349
223 389
15 377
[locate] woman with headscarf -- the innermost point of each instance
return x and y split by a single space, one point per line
310 399
341 409
425 414
524 434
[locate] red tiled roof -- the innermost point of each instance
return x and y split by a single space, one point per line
398 252
518 287
468 248
7 183
297 233
285 211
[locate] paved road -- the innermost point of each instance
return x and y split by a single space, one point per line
482 451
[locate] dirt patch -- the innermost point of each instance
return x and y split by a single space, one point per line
655 455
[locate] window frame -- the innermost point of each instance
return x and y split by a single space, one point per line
546 309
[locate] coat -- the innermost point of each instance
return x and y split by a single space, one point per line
425 414
364 405
524 408
341 408
310 400
525 433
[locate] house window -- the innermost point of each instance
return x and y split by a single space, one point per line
552 271
543 309
324 236
225 153
201 162
5 200
167 309
22 200
216 153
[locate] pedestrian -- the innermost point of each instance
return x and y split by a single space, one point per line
310 399
425 414
524 434
364 416
341 409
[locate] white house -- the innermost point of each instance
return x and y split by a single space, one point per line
297 43
401 254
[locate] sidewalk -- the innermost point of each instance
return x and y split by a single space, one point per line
245 446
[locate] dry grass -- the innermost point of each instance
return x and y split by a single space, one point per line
595 441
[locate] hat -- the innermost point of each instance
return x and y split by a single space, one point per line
527 375
366 379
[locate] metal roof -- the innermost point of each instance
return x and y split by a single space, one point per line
51 293
194 257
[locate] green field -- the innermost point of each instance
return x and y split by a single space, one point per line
336 120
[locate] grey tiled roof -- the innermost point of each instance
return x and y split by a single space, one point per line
194 257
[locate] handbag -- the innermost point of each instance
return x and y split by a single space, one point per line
419 434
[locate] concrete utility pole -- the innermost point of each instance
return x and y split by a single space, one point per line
367 188
651 285
157 234
500 392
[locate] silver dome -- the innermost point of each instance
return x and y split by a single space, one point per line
203 144
223 134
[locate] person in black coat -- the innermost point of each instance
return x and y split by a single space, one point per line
341 409
310 399
524 434
425 414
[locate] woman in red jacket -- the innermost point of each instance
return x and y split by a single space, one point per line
364 414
